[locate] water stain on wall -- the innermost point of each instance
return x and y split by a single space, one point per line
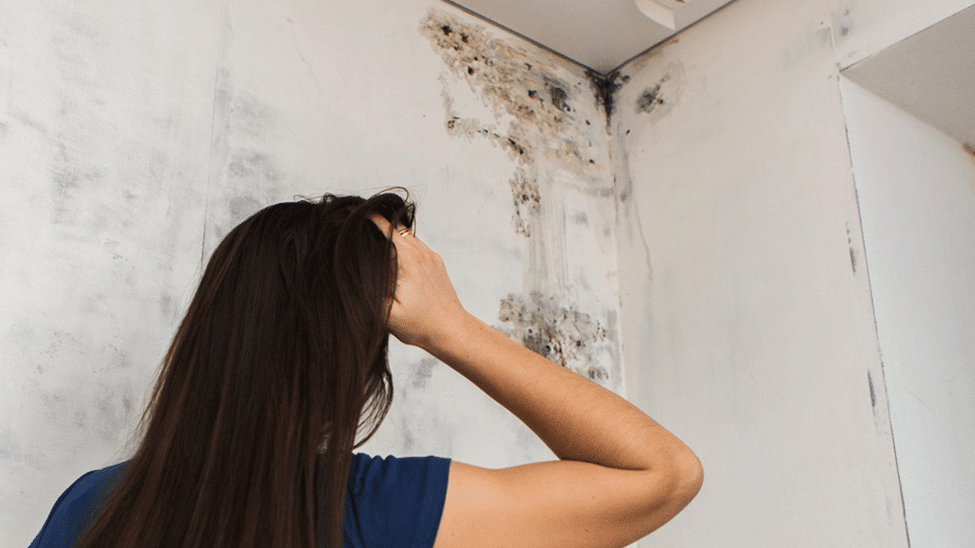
555 331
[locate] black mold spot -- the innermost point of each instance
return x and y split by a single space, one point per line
515 146
853 253
446 30
605 87
649 99
969 148
558 96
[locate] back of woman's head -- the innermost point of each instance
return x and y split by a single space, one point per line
276 373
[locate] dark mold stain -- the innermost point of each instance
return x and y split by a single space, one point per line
605 87
873 395
649 99
557 332
853 253
659 99
558 97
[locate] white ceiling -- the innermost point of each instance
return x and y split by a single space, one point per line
599 34
930 75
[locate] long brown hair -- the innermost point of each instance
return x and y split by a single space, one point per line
278 371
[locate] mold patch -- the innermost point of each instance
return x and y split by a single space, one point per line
659 99
533 105
557 332
527 201
604 86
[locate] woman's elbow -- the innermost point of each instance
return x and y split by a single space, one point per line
690 478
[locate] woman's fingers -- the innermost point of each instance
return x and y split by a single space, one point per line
425 298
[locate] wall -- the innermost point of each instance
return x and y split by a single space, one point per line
747 317
134 136
916 189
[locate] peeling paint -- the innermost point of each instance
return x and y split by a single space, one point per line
555 331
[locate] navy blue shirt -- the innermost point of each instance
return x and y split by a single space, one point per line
392 502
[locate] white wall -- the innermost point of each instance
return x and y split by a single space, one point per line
134 136
916 189
746 309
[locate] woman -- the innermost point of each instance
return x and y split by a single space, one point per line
279 371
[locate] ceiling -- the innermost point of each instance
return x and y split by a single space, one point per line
598 34
930 75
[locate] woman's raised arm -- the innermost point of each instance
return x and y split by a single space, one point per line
621 475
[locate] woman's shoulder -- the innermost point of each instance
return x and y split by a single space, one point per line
395 501
77 506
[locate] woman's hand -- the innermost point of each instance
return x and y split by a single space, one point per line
425 306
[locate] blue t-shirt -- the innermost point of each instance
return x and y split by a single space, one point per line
392 502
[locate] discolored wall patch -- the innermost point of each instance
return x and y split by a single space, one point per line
657 100
556 331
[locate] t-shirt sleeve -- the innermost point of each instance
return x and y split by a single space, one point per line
395 502
76 508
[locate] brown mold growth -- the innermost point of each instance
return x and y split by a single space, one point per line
535 102
527 201
557 332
